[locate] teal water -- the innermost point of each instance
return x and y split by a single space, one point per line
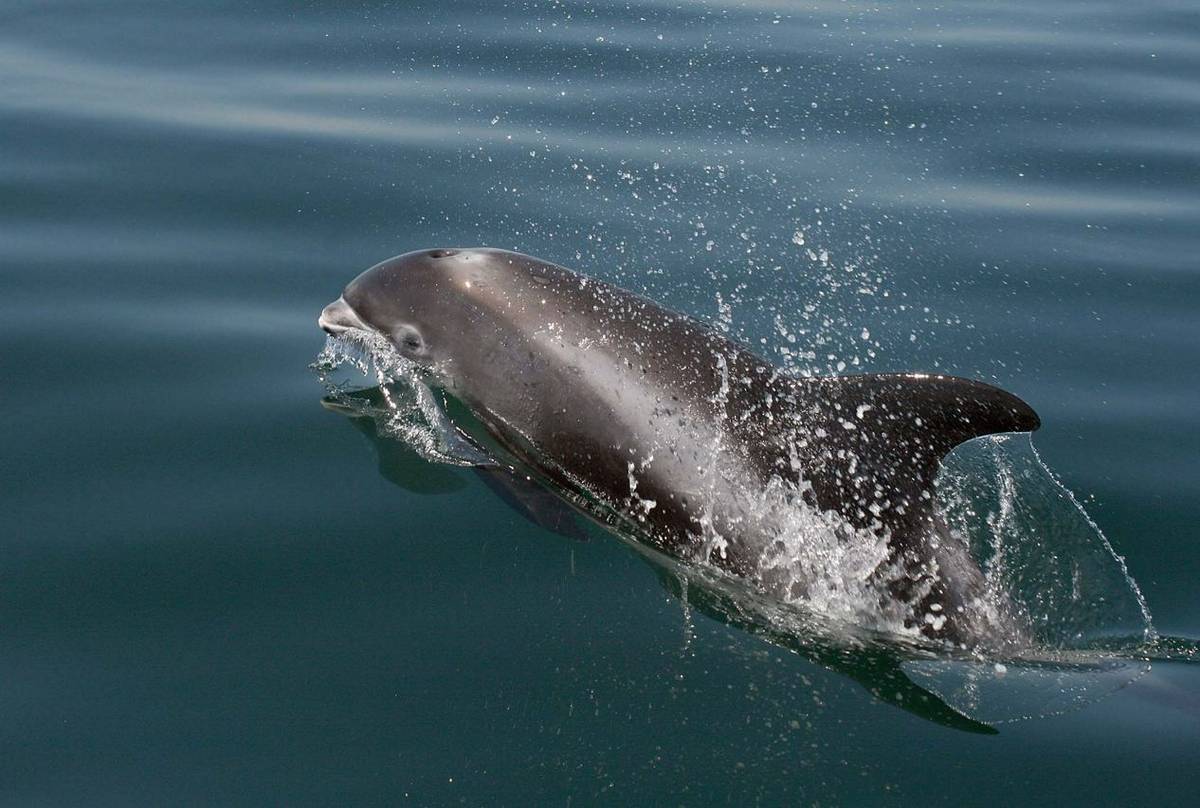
209 592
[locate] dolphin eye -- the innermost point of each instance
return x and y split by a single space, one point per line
410 339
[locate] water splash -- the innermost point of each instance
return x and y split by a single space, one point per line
815 559
410 412
818 561
1149 634
1037 546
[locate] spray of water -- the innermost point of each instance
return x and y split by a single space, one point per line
410 412
1039 549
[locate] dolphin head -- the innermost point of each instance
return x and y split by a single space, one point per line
485 324
418 301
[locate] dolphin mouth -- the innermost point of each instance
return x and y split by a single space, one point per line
337 318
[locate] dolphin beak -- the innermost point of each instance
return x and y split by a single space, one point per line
338 317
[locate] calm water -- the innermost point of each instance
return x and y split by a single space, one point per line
209 592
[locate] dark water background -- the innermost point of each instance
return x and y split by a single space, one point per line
209 595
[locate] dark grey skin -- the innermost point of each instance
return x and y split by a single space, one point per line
679 429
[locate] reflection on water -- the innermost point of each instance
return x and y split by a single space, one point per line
400 465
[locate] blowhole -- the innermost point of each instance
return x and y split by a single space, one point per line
442 253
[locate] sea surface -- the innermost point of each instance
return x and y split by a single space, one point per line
214 590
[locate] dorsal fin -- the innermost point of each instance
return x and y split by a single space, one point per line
874 441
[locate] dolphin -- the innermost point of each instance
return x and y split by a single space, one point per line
685 433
